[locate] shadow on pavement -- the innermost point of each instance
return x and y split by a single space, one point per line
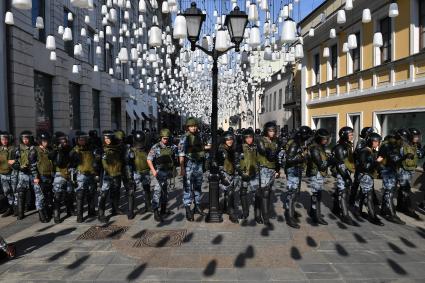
137 272
240 260
210 268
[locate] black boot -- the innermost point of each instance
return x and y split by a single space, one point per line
189 214
15 210
115 204
388 210
80 206
8 212
289 211
91 204
157 216
371 209
232 217
197 210
130 213
244 203
265 206
358 205
336 210
315 209
102 203
57 201
257 209
69 203
343 206
148 198
354 191
165 211
21 205
29 200
406 202
43 215
225 203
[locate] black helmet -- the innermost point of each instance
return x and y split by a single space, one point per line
43 136
366 131
231 129
4 134
60 137
220 132
110 135
139 137
239 131
414 132
26 134
257 132
93 134
269 126
321 134
228 136
344 132
304 133
403 134
248 133
373 137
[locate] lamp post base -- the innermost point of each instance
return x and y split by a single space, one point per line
214 215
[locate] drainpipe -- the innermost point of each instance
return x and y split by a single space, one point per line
4 68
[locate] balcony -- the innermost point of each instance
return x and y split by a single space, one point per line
393 76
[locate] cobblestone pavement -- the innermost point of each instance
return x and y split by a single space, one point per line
226 252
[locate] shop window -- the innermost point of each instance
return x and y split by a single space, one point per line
316 69
390 122
334 61
328 123
43 102
386 30
355 55
74 106
116 113
39 10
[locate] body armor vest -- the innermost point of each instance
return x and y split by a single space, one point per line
249 162
86 162
24 152
195 147
410 164
229 161
165 159
312 167
4 157
44 164
262 160
140 160
349 159
113 163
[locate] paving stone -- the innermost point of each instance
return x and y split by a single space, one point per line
327 268
116 272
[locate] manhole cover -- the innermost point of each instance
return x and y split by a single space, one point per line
161 238
111 232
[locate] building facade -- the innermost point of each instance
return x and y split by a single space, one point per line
47 95
281 100
379 84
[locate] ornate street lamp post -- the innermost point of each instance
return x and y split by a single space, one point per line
235 22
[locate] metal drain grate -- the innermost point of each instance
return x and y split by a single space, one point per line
161 238
111 232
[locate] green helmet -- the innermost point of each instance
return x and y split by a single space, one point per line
191 121
165 133
120 134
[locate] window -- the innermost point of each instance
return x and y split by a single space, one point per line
96 109
328 123
389 122
385 28
316 69
91 47
39 10
274 101
109 57
69 45
43 102
74 106
355 54
422 24
280 98
334 61
116 113
270 102
265 104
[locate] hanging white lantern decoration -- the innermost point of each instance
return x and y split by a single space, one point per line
393 10
345 47
254 37
83 32
113 16
299 51
165 8
98 50
67 34
311 32
50 43
95 68
60 30
53 56
253 13
332 33
326 52
152 55
180 27
340 17
22 4
75 69
352 41
285 12
70 17
123 55
8 19
155 36
264 5
289 31
87 19
83 4
104 10
367 16
134 55
348 5
378 40
108 30
39 23
126 16
142 6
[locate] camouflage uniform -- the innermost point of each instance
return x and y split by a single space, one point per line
191 147
7 175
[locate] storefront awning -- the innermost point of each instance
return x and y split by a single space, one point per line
130 111
145 117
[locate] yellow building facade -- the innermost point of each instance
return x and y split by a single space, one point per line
365 81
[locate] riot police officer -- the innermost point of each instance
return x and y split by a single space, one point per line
411 153
7 174
368 170
161 161
192 157
268 152
85 168
226 161
22 165
248 170
296 153
137 156
317 170
62 186
344 166
391 157
113 168
40 158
